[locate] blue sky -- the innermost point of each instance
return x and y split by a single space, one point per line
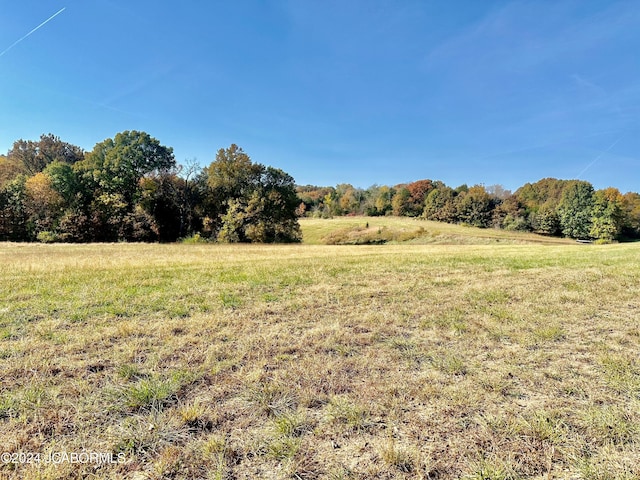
357 91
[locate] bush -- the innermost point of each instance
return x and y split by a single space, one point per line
193 239
47 236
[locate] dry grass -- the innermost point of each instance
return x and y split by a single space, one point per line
380 230
311 361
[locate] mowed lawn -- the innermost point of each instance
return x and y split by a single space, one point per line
316 361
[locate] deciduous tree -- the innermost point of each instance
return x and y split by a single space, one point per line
608 214
576 210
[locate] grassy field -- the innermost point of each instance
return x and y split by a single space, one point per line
372 230
438 361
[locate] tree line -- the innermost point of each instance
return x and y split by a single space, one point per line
130 188
571 208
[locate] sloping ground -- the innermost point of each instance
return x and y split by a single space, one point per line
380 230
313 361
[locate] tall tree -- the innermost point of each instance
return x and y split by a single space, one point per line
608 214
270 214
440 205
545 220
474 207
112 173
510 214
631 226
13 211
115 166
250 202
33 157
401 201
232 174
382 200
576 210
9 169
418 191
44 205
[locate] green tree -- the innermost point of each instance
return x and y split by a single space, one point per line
545 220
65 181
270 214
631 226
13 211
474 207
546 191
232 175
111 175
250 202
382 200
608 214
401 201
163 200
440 205
115 166
576 209
510 214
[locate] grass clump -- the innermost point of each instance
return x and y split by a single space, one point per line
341 411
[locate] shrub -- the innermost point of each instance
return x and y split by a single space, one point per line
194 239
47 236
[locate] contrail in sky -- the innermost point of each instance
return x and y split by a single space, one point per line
32 31
599 156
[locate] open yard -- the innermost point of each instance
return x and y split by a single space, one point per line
507 360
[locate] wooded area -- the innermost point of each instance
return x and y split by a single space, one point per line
571 208
130 188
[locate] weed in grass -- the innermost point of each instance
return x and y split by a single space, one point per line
34 397
448 363
130 372
283 448
8 406
610 424
610 463
214 445
494 469
230 300
497 383
148 434
269 297
292 425
168 464
194 416
455 319
150 394
343 412
544 426
549 333
622 373
271 399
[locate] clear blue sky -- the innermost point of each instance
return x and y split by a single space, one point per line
345 91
